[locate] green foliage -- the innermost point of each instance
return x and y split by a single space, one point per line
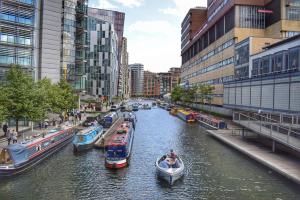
65 98
177 93
21 97
205 92
189 95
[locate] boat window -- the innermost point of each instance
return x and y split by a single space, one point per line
5 157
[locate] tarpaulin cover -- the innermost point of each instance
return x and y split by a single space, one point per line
18 153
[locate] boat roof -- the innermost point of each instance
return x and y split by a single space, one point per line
51 133
120 136
88 130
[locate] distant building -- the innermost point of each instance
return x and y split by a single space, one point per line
151 84
165 83
123 85
137 79
175 77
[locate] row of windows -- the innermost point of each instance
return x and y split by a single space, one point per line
223 26
216 81
211 68
18 19
280 62
7 60
5 38
211 53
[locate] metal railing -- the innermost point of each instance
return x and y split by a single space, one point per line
270 128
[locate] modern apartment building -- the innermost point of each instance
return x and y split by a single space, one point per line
151 84
102 57
137 79
209 58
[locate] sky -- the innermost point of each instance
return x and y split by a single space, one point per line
153 29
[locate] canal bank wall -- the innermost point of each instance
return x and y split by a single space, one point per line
282 164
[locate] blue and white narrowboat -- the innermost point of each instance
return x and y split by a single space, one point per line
86 138
16 158
118 149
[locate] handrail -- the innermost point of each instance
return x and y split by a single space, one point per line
280 126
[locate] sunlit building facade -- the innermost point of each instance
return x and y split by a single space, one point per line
210 57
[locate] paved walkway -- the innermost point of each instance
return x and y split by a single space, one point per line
26 132
282 164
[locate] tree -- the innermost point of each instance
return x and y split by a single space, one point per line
189 95
177 94
65 98
205 92
20 97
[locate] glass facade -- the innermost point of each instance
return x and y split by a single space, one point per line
16 34
68 40
293 10
250 17
280 62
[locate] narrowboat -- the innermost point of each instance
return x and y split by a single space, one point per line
110 119
187 116
86 138
16 158
119 148
211 122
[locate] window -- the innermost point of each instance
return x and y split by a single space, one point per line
251 18
265 65
277 63
293 10
294 59
255 67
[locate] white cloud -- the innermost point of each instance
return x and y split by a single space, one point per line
181 7
130 3
150 27
110 4
102 4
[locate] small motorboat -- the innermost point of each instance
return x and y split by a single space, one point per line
169 169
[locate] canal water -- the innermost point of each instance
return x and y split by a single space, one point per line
213 170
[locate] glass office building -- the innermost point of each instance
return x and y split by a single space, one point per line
17 34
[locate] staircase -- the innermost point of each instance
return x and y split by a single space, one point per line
284 133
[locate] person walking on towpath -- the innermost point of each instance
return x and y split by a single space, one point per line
14 136
5 129
8 136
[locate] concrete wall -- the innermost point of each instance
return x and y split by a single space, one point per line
50 40
220 110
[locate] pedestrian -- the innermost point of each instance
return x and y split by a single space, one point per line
79 116
14 136
8 136
46 124
5 128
